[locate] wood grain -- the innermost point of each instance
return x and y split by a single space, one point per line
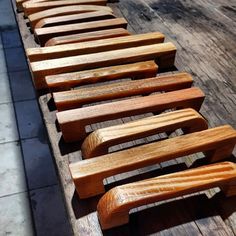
74 18
73 122
88 175
159 52
76 98
146 69
102 45
44 34
99 141
34 7
90 36
62 11
113 208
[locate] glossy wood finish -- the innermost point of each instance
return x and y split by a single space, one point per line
73 122
74 18
34 7
163 53
98 142
62 11
114 206
90 36
75 98
88 175
102 45
44 34
146 69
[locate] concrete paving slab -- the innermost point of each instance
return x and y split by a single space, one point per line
5 92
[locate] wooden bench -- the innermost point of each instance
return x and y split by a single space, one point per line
88 175
76 98
34 7
163 53
113 208
73 122
99 141
90 36
74 18
102 45
140 70
62 11
44 34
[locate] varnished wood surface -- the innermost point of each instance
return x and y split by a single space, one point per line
75 98
62 11
146 69
95 46
73 122
90 36
44 34
74 18
114 206
99 141
88 175
159 52
203 32
34 7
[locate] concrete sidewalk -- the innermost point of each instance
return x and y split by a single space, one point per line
30 197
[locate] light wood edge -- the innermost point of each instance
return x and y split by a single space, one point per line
65 100
74 130
113 208
97 143
56 40
97 76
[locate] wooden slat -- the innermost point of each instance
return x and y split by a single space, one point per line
74 18
62 11
163 53
88 175
44 34
73 122
75 98
114 206
139 70
75 49
34 7
99 141
90 36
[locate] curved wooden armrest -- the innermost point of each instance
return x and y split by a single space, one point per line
98 142
74 18
73 122
113 208
146 69
88 175
34 7
163 53
75 49
85 37
62 11
66 100
44 34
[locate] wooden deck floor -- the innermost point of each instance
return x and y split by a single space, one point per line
204 32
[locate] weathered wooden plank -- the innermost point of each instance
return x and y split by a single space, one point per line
99 141
44 34
163 53
102 45
75 98
85 37
73 122
114 206
146 69
34 7
62 11
74 18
